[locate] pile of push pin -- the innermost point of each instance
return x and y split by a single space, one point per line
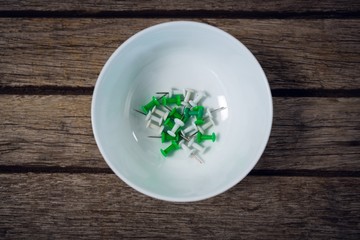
178 118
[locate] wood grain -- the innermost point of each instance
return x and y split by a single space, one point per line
308 133
188 5
295 54
88 206
54 184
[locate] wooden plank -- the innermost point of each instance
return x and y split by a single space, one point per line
47 131
295 54
87 206
314 133
308 133
209 5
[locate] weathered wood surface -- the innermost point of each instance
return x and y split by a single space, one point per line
308 133
100 206
209 5
54 184
295 54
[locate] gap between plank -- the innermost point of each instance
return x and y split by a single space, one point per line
328 93
46 90
54 90
181 14
81 170
39 169
304 173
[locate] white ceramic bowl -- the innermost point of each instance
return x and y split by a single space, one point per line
182 55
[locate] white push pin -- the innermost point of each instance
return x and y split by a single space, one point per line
151 116
189 129
197 99
157 128
186 148
163 114
178 123
208 114
198 147
197 158
187 94
174 92
205 126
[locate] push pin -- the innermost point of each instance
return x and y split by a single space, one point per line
200 137
184 138
218 109
174 92
175 99
186 114
191 152
163 93
205 126
186 148
175 114
197 99
199 121
169 109
173 147
186 111
151 116
187 138
157 128
178 124
139 112
189 129
198 147
197 111
163 114
208 114
154 102
169 123
166 137
197 158
162 97
200 112
187 94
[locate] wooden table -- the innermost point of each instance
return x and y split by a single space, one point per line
54 184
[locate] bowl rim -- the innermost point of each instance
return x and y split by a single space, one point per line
100 79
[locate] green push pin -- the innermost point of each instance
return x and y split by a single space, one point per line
154 102
185 119
199 122
186 111
186 115
167 138
195 108
178 99
173 147
192 113
175 114
169 123
197 111
201 137
200 112
178 96
175 99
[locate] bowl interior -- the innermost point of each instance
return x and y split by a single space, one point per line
182 55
